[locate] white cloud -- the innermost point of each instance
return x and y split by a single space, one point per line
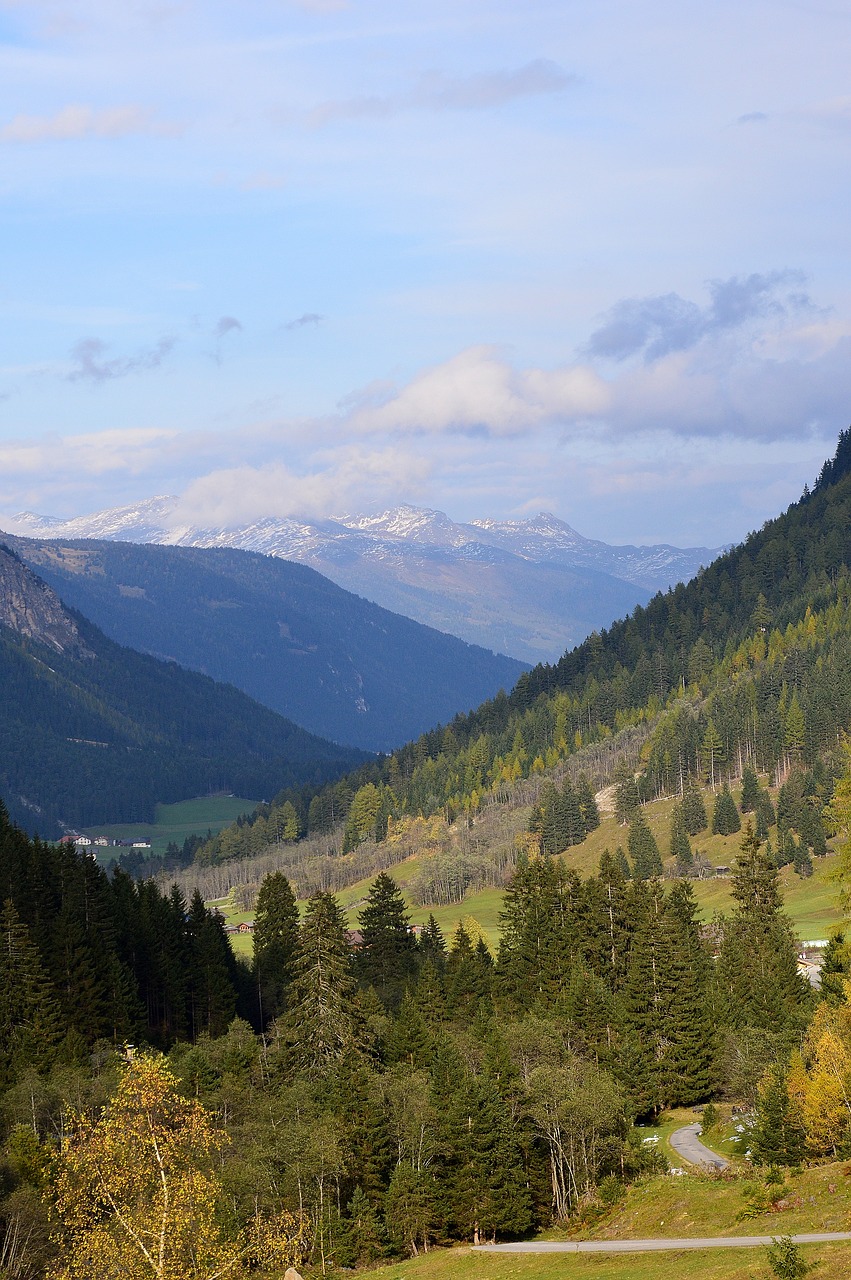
93 454
477 391
436 91
81 121
341 479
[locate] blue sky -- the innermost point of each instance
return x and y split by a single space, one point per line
307 258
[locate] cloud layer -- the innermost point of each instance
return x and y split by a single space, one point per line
79 121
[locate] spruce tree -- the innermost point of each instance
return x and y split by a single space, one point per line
757 972
643 849
680 844
588 804
387 958
777 1137
750 789
725 815
275 943
431 943
627 799
539 934
694 810
29 1015
320 1021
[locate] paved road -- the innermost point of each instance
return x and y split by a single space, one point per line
687 1144
653 1246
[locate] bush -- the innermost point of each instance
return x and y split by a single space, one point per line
785 1260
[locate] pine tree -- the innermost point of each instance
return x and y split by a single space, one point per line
643 849
431 943
539 935
713 752
388 954
725 815
275 944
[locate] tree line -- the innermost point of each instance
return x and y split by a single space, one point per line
384 1091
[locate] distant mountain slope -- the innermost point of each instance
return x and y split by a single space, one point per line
91 732
748 664
336 664
531 588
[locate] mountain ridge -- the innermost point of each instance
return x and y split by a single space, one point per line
530 588
93 732
341 667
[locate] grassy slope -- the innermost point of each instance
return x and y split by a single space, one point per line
819 1200
834 1263
810 903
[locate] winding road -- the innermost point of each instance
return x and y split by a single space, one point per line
686 1142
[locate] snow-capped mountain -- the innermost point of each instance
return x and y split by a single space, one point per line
529 588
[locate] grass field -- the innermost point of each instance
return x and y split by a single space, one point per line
833 1263
177 821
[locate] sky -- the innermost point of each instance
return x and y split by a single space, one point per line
312 257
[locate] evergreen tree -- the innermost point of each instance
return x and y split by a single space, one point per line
667 999
757 970
643 849
627 799
366 1141
750 789
431 943
777 1137
388 953
275 944
469 975
29 1016
764 814
319 1024
680 844
538 931
725 815
588 804
212 991
694 810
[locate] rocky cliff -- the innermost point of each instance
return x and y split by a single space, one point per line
31 608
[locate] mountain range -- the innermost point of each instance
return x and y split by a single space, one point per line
337 665
92 732
529 588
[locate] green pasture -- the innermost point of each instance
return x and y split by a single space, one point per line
833 1263
174 822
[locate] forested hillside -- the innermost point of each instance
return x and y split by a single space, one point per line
750 663
91 732
330 661
406 1091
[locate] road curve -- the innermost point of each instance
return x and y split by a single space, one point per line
655 1246
687 1144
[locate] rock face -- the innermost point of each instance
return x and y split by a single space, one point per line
31 608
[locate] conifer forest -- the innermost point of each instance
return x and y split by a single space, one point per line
357 1090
